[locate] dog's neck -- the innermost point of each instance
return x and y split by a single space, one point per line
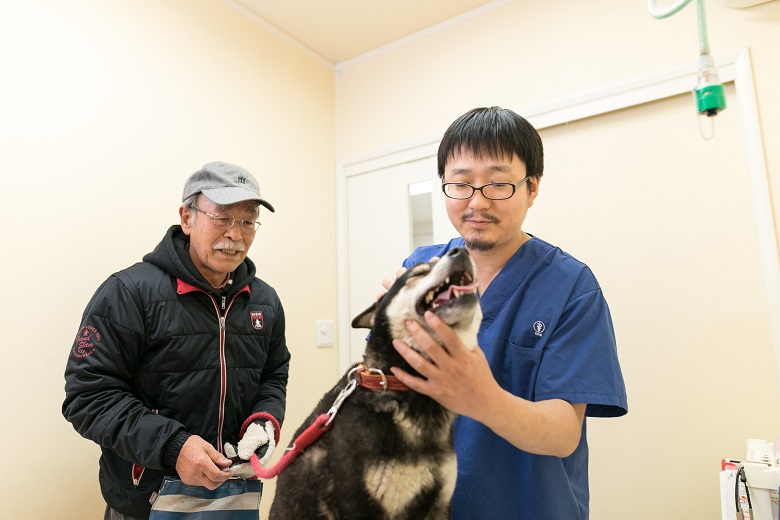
380 353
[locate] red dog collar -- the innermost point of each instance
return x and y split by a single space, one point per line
375 379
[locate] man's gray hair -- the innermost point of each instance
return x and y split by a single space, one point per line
189 203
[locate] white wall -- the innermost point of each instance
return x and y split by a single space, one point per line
106 106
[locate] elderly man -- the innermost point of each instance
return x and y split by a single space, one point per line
178 353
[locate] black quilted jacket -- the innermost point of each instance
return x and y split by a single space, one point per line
160 355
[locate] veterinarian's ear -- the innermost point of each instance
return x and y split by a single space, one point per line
365 319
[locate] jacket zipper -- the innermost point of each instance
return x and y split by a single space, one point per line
222 315
222 309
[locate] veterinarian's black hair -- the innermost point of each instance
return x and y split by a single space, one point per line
493 132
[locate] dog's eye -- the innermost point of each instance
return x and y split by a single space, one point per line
421 271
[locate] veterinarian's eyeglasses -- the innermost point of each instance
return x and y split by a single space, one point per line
492 191
225 221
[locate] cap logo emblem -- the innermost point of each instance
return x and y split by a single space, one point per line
241 180
256 319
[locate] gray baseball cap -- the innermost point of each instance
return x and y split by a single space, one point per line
224 184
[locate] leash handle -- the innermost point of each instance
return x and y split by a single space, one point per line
264 416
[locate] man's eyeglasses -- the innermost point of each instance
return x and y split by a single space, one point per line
225 221
492 191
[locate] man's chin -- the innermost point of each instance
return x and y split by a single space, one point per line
478 244
230 264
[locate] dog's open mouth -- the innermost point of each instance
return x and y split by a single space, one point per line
455 286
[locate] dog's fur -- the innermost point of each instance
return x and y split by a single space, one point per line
388 454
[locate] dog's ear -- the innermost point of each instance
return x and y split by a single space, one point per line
365 320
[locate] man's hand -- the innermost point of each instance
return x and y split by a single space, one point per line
457 378
199 464
461 380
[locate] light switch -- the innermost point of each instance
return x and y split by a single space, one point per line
324 333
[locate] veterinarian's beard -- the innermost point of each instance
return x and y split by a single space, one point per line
477 244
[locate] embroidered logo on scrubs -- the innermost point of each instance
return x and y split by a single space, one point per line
85 341
256 318
538 328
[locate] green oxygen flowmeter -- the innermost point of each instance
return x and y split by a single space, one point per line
710 99
710 96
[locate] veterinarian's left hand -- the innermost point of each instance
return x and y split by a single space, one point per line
456 377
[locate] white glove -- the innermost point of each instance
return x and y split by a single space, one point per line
259 437
241 470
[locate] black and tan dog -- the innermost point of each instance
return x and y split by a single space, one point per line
388 453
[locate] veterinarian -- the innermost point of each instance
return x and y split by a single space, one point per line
177 353
547 356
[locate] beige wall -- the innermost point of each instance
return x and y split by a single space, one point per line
697 388
106 106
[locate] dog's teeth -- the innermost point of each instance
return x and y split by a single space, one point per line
447 280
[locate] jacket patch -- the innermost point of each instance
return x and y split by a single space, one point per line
85 342
256 318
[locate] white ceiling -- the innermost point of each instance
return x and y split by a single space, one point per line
335 31
339 30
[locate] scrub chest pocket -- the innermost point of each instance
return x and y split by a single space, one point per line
520 369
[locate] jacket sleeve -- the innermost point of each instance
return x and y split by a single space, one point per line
271 395
99 399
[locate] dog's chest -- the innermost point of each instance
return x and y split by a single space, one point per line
395 484
420 429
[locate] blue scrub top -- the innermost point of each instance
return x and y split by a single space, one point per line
547 334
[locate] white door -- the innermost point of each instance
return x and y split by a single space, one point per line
390 211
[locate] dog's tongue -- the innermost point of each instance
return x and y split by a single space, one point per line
448 294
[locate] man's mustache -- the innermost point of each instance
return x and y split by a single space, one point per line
229 244
482 216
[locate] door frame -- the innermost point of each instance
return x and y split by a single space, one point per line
734 66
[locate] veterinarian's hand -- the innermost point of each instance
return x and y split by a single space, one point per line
457 378
461 381
199 464
258 439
